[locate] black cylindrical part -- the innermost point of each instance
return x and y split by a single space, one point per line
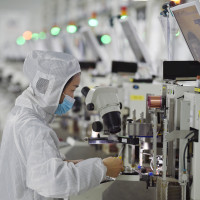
113 122
90 106
85 91
97 126
77 105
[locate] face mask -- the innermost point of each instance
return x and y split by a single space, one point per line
65 106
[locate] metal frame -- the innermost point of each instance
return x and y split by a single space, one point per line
135 42
182 6
97 50
185 5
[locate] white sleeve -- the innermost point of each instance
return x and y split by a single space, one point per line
50 176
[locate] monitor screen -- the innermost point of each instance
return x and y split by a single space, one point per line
85 65
124 67
188 19
181 70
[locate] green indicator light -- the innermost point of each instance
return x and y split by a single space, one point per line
71 28
20 40
178 33
42 35
105 39
55 31
93 22
35 36
124 16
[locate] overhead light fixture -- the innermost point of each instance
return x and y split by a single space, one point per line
20 40
35 36
42 35
27 35
106 39
177 2
123 12
71 27
93 20
55 30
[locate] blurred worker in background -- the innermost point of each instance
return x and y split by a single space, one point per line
31 167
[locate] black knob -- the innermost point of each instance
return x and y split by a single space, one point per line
77 105
90 106
120 105
97 126
129 120
85 91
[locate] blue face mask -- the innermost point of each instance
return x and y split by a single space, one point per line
65 106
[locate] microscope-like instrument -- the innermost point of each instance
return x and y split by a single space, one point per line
105 101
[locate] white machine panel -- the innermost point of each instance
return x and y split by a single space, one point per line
175 92
195 192
194 108
135 95
194 100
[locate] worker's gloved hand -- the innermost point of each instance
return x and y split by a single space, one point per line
114 166
74 161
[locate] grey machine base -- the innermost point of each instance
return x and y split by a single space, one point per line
119 190
128 190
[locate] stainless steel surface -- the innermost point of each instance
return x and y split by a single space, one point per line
171 114
128 190
139 129
170 159
168 190
92 194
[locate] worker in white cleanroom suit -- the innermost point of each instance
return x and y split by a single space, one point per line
31 167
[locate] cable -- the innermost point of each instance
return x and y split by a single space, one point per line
186 146
189 134
180 97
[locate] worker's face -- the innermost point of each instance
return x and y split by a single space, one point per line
71 87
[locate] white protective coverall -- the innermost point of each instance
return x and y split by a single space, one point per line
31 167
